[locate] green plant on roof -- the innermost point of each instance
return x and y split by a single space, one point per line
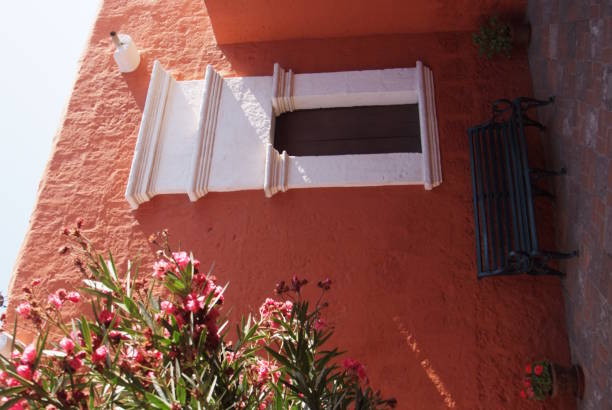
493 38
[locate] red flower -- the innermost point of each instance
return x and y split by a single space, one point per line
523 394
24 309
74 297
528 369
355 368
538 369
99 354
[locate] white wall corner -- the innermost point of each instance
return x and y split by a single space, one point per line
282 90
139 187
432 171
277 166
207 125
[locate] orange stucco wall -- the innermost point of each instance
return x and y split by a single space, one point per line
405 299
241 21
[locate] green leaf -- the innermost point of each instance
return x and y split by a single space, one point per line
97 285
157 402
85 331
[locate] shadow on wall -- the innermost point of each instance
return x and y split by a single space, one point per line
273 20
138 81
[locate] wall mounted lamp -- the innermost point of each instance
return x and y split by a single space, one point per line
126 53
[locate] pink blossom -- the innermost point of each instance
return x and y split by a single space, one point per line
265 372
191 303
118 335
24 371
61 294
106 317
159 269
24 309
134 354
67 345
29 354
99 354
55 301
168 307
74 297
35 282
181 258
12 382
75 363
16 355
355 368
20 405
77 337
230 357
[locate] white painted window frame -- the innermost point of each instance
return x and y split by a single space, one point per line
217 134
348 89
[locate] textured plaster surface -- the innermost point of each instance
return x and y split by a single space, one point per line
405 299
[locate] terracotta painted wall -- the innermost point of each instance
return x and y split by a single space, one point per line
406 300
240 21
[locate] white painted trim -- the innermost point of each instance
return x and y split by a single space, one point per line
216 134
282 87
146 152
207 125
356 88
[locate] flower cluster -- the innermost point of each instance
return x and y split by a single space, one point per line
537 383
158 342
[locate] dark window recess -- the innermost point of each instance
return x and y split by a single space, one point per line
349 130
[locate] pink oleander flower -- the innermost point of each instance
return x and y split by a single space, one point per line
134 354
99 355
74 297
272 309
77 337
12 382
55 301
159 269
29 354
167 307
106 317
61 293
117 335
75 363
191 303
24 371
355 368
20 405
24 309
67 345
16 355
181 258
265 372
3 376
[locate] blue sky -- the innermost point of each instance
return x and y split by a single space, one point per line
42 42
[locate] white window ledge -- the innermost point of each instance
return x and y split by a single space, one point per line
217 134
